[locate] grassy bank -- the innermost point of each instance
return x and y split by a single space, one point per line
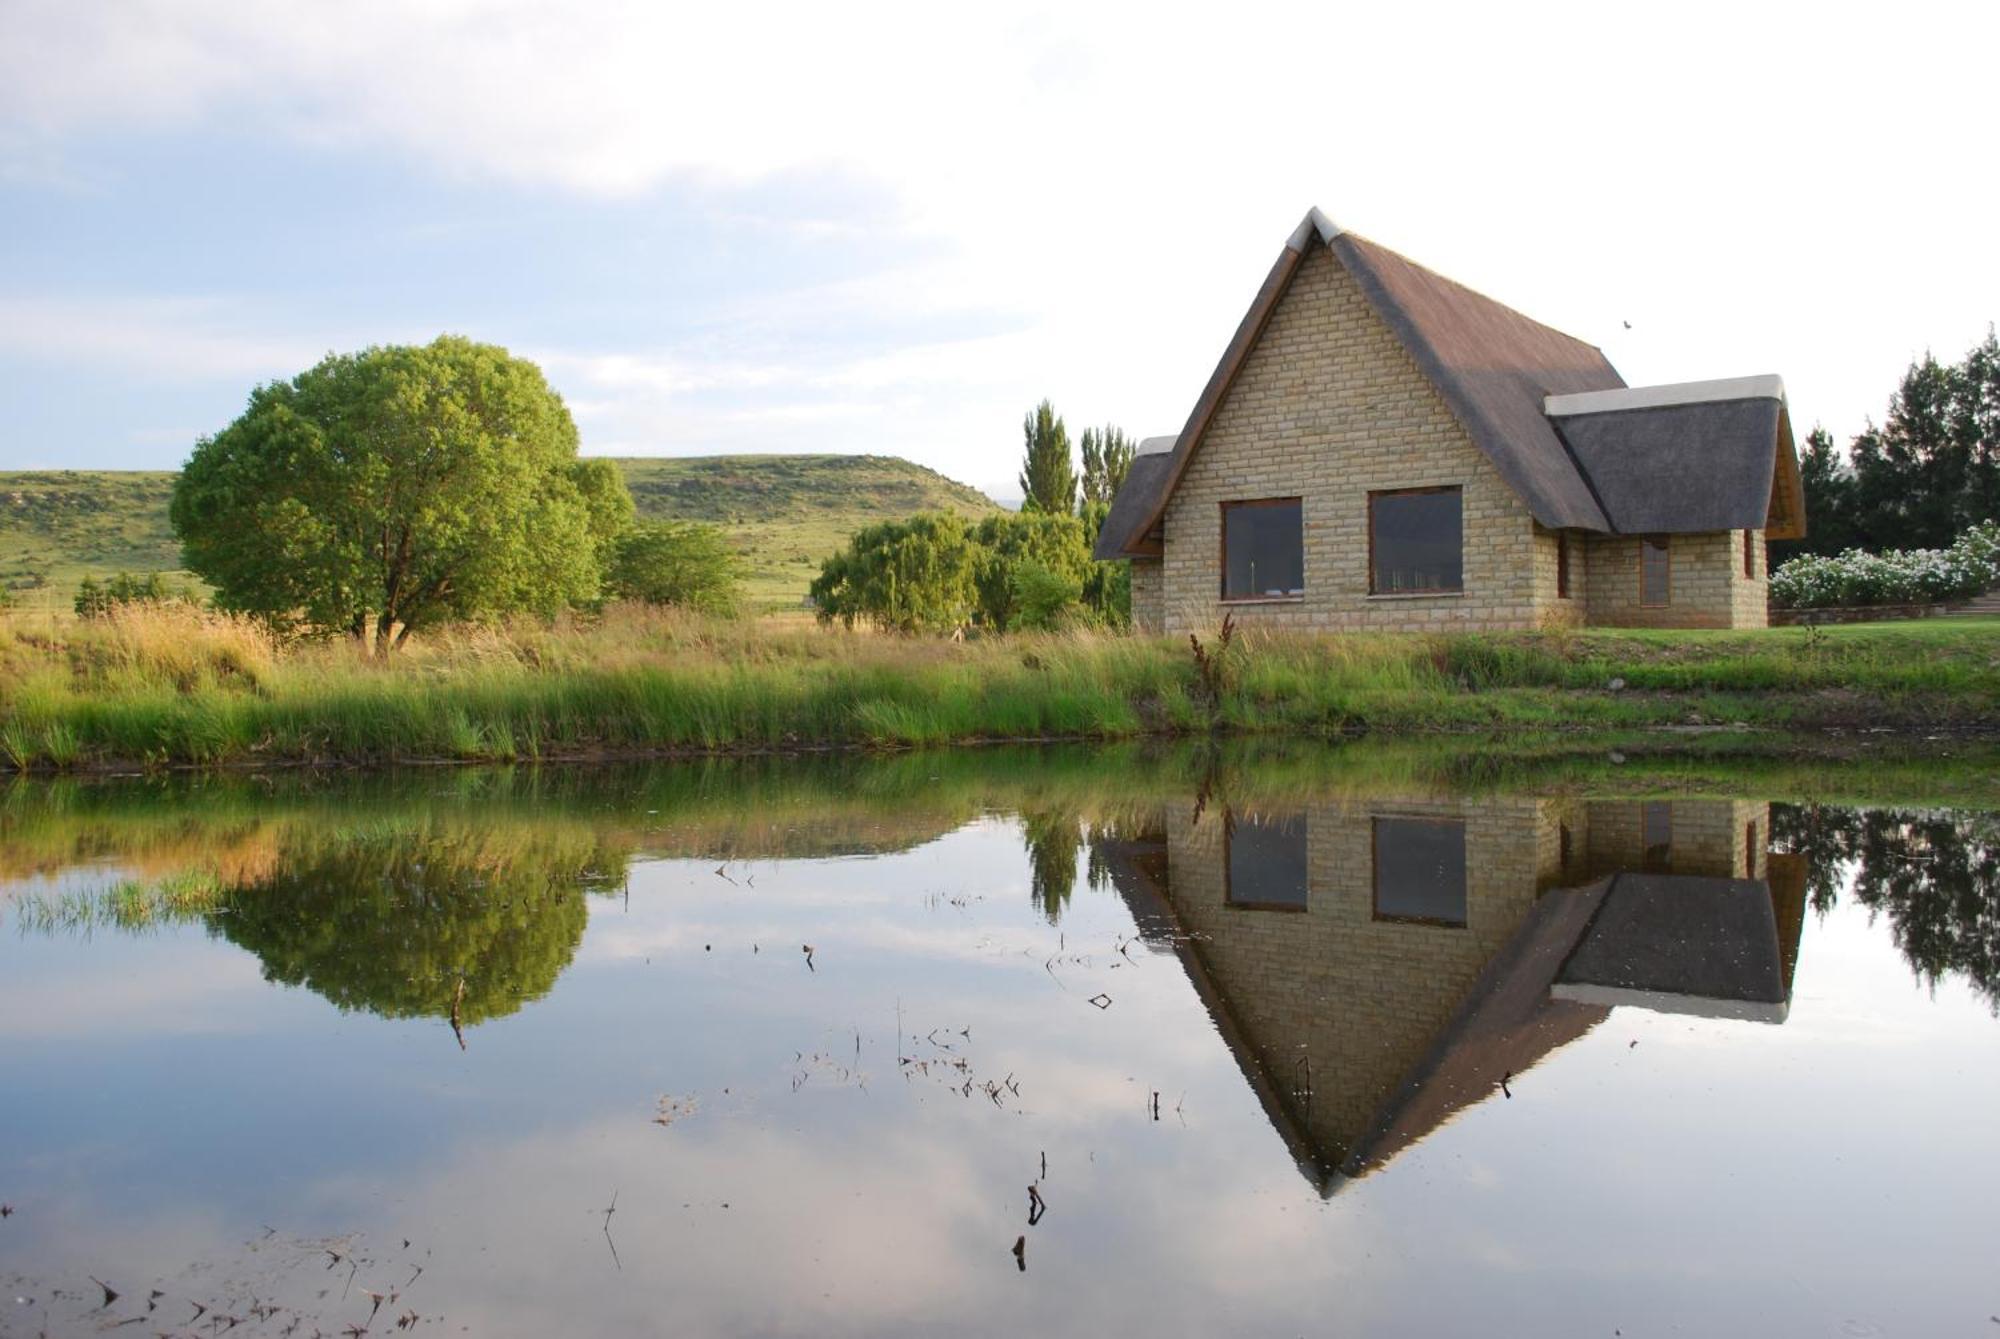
172 685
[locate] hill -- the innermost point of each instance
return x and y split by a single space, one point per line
783 514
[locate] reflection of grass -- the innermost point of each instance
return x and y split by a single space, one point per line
131 905
177 685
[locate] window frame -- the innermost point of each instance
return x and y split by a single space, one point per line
1229 898
1442 592
1375 912
1222 551
1661 542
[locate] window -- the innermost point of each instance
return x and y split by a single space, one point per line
1750 849
1656 571
1265 861
1565 848
1420 870
1416 542
1657 818
1562 564
1750 554
1263 550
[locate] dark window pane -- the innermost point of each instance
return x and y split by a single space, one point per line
1418 542
1655 571
1420 870
1562 566
1658 818
1267 861
1263 550
1750 553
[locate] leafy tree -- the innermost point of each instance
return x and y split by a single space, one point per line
1048 474
915 575
680 563
1107 586
1009 545
1107 458
1829 490
396 488
1932 469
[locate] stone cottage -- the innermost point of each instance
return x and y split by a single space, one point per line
1383 448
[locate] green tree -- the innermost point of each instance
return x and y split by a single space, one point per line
1932 469
1048 474
396 488
915 575
681 563
1107 586
1830 506
1107 458
1012 543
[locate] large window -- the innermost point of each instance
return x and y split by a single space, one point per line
1263 550
1416 542
1656 571
1266 861
1420 870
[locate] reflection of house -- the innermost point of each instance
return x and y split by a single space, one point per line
1375 969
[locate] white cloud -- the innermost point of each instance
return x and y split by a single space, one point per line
1102 187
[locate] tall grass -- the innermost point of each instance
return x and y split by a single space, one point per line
173 684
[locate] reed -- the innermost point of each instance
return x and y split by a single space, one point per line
172 685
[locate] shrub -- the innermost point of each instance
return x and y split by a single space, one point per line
904 576
680 563
95 599
1043 600
1908 576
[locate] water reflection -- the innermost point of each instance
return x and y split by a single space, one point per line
438 919
1375 968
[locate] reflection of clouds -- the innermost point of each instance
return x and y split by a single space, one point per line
202 989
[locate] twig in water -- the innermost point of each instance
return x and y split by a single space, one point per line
1037 1206
457 999
1101 1000
110 1293
722 872
1505 1091
808 951
608 1211
1021 1253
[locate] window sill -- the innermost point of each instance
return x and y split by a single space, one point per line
1420 595
1264 599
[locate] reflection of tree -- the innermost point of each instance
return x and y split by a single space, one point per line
391 918
1052 838
1934 874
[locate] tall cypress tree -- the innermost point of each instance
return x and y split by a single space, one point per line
1048 474
1107 457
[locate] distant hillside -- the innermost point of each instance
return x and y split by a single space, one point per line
784 513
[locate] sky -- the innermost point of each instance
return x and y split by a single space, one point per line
894 228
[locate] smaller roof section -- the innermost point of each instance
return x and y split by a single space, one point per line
1687 458
1123 534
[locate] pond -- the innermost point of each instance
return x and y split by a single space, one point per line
1038 1042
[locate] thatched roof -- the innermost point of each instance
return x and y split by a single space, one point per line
1120 536
1687 458
1498 371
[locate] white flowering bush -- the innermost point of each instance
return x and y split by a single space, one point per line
1909 576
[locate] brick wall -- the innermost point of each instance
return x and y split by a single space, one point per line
1149 612
1707 588
1326 407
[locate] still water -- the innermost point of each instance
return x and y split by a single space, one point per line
994 1043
